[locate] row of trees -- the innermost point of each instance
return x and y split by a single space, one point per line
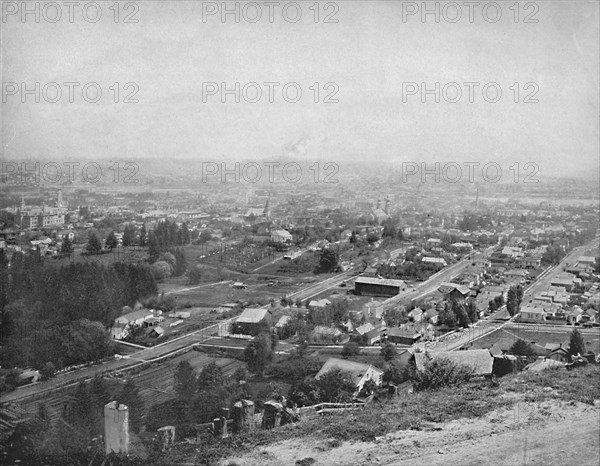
199 397
170 263
167 235
458 313
59 314
514 299
413 268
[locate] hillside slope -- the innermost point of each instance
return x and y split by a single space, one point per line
548 418
543 433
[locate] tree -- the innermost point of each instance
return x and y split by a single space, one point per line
67 247
185 381
48 370
372 238
389 230
111 240
130 397
169 258
353 238
525 352
441 372
521 348
205 236
128 235
388 352
576 343
153 247
446 316
553 255
210 377
336 386
94 242
328 261
519 295
161 270
472 311
240 374
350 349
368 388
512 301
258 354
180 262
194 275
143 235
462 317
394 374
274 341
185 233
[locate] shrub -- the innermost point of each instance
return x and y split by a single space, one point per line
161 270
441 372
48 370
350 349
194 275
388 352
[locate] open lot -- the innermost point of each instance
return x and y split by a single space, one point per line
537 335
260 289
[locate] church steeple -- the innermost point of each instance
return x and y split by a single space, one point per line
59 200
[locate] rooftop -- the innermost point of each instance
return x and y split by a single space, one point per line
252 315
379 281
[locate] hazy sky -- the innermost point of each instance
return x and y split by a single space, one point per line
369 53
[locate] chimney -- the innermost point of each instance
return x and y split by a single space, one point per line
387 206
116 428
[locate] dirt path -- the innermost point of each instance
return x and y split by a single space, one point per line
548 433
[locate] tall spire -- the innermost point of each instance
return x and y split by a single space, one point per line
59 200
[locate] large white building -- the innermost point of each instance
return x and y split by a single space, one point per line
32 217
281 236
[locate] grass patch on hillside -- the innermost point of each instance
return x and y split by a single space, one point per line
415 411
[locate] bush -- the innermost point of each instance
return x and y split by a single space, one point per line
395 374
194 275
388 352
161 270
441 372
350 349
47 371
294 368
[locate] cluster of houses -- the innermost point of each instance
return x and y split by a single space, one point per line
555 305
151 321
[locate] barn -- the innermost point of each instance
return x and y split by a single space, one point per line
371 286
252 321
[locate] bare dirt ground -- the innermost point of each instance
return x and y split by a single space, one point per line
542 433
